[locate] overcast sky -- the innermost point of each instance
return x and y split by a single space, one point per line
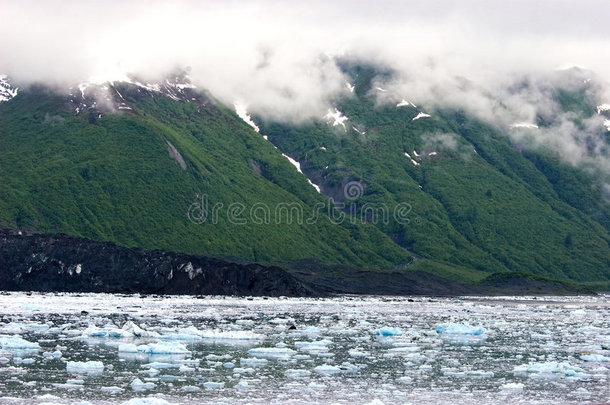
274 55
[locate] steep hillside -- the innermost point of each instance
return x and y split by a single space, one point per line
477 199
135 163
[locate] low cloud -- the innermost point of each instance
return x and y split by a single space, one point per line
278 58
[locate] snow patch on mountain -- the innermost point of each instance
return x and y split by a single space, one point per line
405 103
412 160
524 125
298 166
602 108
361 132
241 111
350 87
7 91
336 118
607 124
421 115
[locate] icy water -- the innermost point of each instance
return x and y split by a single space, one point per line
100 348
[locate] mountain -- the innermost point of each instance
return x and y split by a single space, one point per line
398 186
135 163
480 201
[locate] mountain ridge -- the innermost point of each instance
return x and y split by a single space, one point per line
468 192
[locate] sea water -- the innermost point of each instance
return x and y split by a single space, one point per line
108 348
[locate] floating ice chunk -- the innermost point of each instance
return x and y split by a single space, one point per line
32 307
357 353
388 331
190 388
459 329
155 348
186 369
139 385
14 342
56 354
213 385
107 331
420 115
231 335
308 331
271 352
85 367
550 369
112 390
512 387
157 365
137 331
336 118
595 357
253 362
240 110
327 369
297 373
461 333
146 401
480 373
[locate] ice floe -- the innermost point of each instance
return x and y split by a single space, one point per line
16 342
461 333
155 348
550 369
85 367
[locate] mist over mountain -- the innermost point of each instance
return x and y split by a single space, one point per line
486 124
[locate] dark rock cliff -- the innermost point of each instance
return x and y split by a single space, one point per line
63 263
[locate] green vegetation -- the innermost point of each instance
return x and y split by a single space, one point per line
112 179
478 203
473 205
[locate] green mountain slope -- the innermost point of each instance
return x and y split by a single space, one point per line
111 176
477 200
444 193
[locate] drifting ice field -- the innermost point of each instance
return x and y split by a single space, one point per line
100 348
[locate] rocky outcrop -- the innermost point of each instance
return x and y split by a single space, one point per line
63 263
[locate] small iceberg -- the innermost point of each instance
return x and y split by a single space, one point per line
461 333
327 369
550 369
595 358
388 331
17 343
139 385
271 352
155 348
85 367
